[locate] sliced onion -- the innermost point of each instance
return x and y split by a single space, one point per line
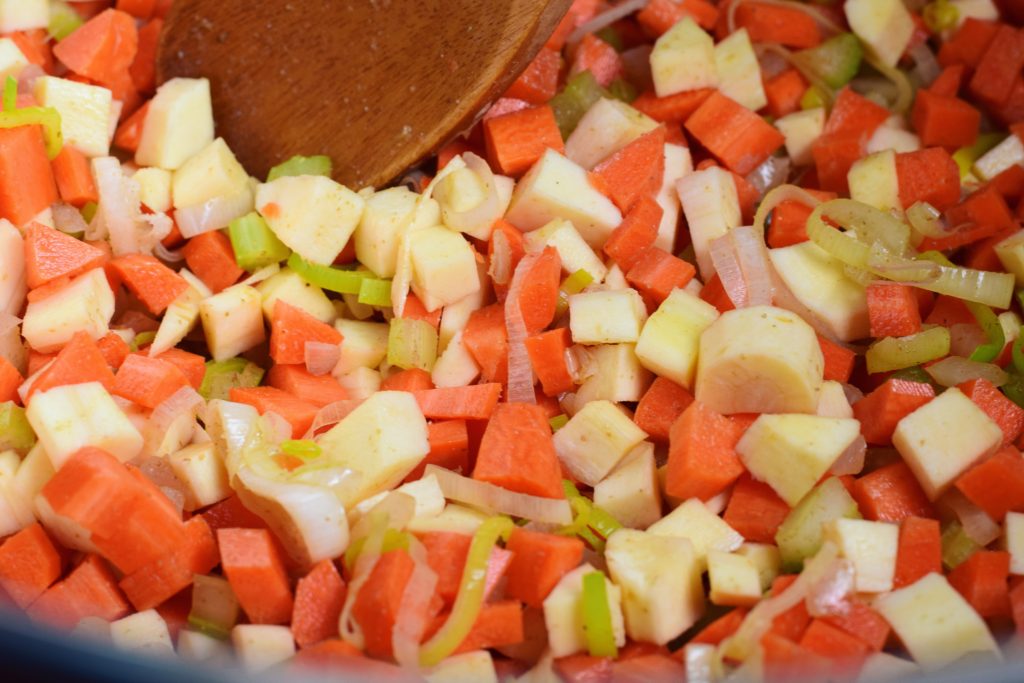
978 526
830 596
214 214
118 211
264 273
770 174
925 65
500 268
964 338
68 219
753 258
172 423
330 415
955 370
851 461
727 266
579 361
853 393
606 18
411 620
168 256
155 227
478 220
520 370
904 89
497 499
159 471
778 195
321 358
806 70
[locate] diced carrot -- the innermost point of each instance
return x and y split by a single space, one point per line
413 379
453 149
789 224
547 356
834 154
599 58
944 121
982 214
36 361
161 579
143 68
702 460
148 381
232 513
130 131
449 448
140 9
635 235
10 380
516 141
103 48
968 44
846 652
1009 183
415 310
35 45
999 66
74 177
487 341
27 186
539 82
737 137
319 597
255 569
517 452
90 590
1004 412
721 628
319 390
928 175
658 16
891 494
863 623
919 551
498 624
784 92
380 599
854 114
755 510
296 412
948 82
714 293
79 362
839 360
636 170
785 660
671 108
793 622
539 562
583 668
212 259
892 310
770 23
476 402
982 580
114 349
880 410
291 328
1017 607
446 555
29 563
153 283
192 365
656 273
997 484
538 295
660 406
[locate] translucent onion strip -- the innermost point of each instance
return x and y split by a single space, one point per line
606 18
490 497
411 620
520 370
955 370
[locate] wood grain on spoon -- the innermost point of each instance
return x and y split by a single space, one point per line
377 85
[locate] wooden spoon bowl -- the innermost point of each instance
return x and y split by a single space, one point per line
377 85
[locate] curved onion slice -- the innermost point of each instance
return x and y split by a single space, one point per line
118 210
213 214
520 370
954 370
165 254
926 220
500 269
67 218
727 266
411 620
978 526
753 260
477 220
904 88
159 471
488 496
829 595
851 461
331 414
926 66
172 423
230 426
770 174
321 357
606 18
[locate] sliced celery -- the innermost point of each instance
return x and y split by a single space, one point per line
89 211
558 421
597 617
940 15
10 94
1017 351
1013 389
813 98
325 277
393 540
47 117
622 90
300 165
254 243
966 156
374 292
412 344
215 608
896 353
63 20
223 376
579 94
800 534
15 431
592 524
609 35
142 340
836 61
957 546
574 284
301 448
989 321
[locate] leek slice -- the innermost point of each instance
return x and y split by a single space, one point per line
63 20
558 421
579 94
989 321
214 606
221 377
574 284
301 448
142 340
374 292
47 117
835 61
300 165
412 344
597 617
896 353
957 546
325 277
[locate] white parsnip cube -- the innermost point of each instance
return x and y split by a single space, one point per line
386 218
595 439
572 249
712 209
739 72
23 15
365 344
801 129
558 188
12 271
456 519
469 667
313 215
873 181
819 281
942 439
33 473
69 418
760 359
871 547
293 289
15 509
1013 539
608 126
202 472
734 579
444 266
885 26
199 647
935 623
564 617
12 59
144 630
181 316
232 321
426 492
766 560
678 164
683 59
155 188
618 375
894 137
1011 254
630 493
670 338
833 402
660 578
178 125
86 304
213 172
606 317
1007 153
261 646
455 367
706 530
360 383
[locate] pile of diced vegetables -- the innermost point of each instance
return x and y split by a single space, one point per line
699 356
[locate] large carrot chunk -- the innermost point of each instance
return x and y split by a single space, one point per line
27 186
291 328
255 569
737 137
997 484
539 562
319 597
153 283
517 452
148 381
702 458
90 590
29 563
103 48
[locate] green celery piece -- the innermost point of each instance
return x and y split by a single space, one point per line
301 448
957 546
558 421
836 61
915 374
300 165
412 344
609 35
10 94
15 431
623 90
47 117
940 15
223 376
326 277
1017 351
578 95
896 353
574 284
374 292
142 339
1014 387
800 535
254 243
89 211
813 98
597 617
986 353
63 20
966 156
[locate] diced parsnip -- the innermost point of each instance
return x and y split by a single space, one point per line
678 163
734 579
1011 254
706 530
572 249
606 317
558 188
595 439
801 534
365 344
940 440
608 126
155 188
1007 153
360 383
618 375
896 138
982 10
882 666
23 15
12 269
232 321
469 667
386 217
1013 538
462 191
261 646
670 338
455 367
213 172
885 27
766 560
456 519
12 59
383 439
615 279
683 59
760 359
86 304
33 473
199 647
178 125
181 316
630 493
712 208
313 215
873 181
739 72
15 510
790 453
202 472
63 529
935 623
660 578
563 615
426 492
144 630
833 402
801 129
870 547
71 417
84 112
444 266
819 282
292 288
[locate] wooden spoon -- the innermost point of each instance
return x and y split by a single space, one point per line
375 84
